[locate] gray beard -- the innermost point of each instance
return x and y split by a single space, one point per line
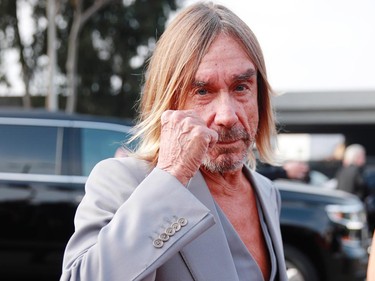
226 164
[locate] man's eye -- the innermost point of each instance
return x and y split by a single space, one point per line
201 92
241 88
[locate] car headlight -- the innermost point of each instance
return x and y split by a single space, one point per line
353 217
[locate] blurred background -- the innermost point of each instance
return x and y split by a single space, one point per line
88 57
78 56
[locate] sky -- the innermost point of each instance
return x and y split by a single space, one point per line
308 45
313 45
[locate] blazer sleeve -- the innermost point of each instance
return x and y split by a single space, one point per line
122 222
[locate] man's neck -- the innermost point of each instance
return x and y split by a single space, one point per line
226 184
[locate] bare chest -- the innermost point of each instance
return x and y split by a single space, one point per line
243 215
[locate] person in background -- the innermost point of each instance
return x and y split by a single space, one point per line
293 170
187 205
350 175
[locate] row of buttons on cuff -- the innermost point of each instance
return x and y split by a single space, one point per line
169 231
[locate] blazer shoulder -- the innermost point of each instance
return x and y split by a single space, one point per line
260 179
116 178
259 176
125 166
265 186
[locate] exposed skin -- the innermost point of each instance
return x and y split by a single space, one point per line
213 132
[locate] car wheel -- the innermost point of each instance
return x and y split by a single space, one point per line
299 266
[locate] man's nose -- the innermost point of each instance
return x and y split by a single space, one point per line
226 112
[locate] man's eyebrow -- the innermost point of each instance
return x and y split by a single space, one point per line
236 77
246 75
199 83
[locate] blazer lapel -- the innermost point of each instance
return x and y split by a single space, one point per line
215 262
271 216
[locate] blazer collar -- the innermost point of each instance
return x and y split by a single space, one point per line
271 214
215 263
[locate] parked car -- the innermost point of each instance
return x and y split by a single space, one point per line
45 159
324 232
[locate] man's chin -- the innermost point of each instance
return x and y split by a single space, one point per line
222 164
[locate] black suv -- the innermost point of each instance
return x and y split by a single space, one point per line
45 159
324 232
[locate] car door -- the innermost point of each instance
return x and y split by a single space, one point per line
35 197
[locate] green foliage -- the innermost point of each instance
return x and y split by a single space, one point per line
120 31
29 51
108 82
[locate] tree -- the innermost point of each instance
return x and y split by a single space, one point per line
28 50
115 38
51 100
114 45
79 19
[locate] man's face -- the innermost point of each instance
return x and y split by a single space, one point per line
224 95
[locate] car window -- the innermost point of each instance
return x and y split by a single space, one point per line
98 144
30 149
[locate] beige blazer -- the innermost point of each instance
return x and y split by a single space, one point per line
128 208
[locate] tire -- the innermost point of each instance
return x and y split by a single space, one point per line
299 267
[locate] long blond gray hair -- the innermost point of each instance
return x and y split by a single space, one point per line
174 63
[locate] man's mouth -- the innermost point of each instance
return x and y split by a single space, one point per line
228 142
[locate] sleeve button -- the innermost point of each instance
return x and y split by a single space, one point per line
164 237
182 221
176 226
170 231
158 243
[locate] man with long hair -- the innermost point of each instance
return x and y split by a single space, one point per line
187 204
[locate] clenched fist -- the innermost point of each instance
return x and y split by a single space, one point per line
184 142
